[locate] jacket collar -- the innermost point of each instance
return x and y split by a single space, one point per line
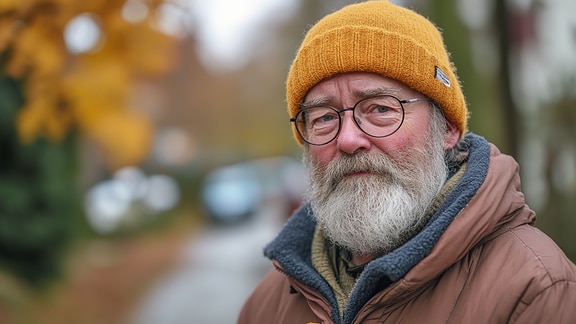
292 246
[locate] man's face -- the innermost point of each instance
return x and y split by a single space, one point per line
368 193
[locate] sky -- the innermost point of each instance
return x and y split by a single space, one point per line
227 27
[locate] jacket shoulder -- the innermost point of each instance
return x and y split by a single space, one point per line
534 273
538 254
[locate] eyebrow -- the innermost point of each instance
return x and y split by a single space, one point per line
315 103
359 94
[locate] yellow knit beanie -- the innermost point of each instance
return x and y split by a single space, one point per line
379 37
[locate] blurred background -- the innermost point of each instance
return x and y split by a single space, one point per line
146 156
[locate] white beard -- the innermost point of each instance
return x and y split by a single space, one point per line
376 212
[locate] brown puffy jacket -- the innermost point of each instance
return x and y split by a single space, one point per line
489 265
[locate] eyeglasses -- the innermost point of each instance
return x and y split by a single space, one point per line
378 116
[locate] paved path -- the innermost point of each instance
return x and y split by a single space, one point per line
217 271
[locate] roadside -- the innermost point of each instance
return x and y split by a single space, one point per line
217 271
105 279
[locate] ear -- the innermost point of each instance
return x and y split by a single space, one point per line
452 136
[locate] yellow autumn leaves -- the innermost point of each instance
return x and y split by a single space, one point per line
89 91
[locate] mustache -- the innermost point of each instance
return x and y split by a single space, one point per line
337 170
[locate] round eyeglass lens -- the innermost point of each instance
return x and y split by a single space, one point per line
378 116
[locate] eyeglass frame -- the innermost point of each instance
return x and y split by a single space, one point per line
353 109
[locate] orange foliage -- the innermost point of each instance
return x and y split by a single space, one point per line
87 91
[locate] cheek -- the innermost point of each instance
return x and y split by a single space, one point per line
398 145
322 155
412 134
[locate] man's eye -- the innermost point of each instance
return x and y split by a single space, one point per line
327 118
381 109
321 118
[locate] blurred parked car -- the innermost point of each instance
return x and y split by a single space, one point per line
235 192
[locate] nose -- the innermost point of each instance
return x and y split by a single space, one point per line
351 139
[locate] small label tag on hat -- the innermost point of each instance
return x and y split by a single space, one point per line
440 75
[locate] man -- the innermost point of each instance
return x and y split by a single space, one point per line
410 218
